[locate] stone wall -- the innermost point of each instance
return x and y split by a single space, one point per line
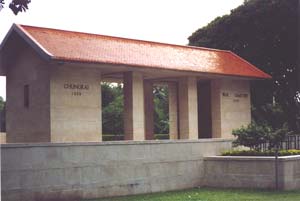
75 104
61 171
231 106
28 123
252 172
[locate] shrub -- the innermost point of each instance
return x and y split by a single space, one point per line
251 136
261 153
254 135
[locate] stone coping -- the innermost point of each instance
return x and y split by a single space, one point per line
111 143
251 158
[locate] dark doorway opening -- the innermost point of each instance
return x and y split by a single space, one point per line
204 109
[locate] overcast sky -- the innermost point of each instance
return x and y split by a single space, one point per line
168 21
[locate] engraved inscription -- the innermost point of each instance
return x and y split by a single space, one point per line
236 97
76 88
76 93
226 94
240 95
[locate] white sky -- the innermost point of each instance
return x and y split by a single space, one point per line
168 21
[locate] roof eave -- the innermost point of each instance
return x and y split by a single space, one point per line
263 75
69 60
28 39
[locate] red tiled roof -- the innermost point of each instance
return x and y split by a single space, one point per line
91 48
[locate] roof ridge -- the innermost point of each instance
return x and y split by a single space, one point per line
129 39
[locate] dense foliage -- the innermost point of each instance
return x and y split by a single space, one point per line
255 134
2 115
251 136
113 106
16 5
161 110
265 33
269 127
2 103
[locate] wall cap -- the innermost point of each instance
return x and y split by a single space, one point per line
111 143
251 158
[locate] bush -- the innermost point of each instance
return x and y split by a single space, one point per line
251 136
261 153
112 137
161 136
254 135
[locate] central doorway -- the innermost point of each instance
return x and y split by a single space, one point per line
204 109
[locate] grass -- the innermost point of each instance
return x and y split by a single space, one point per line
208 194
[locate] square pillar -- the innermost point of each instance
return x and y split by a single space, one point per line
188 108
173 111
149 110
134 112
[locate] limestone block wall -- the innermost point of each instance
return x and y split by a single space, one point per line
32 123
62 171
252 172
75 104
231 106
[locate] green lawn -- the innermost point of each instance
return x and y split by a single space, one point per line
206 194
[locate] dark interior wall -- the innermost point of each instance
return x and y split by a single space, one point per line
204 109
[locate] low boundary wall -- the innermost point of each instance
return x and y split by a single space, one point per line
74 171
252 172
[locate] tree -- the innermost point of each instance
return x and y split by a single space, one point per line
16 5
113 107
265 33
2 115
2 103
161 110
112 112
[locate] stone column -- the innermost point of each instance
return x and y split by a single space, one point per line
188 108
149 110
134 124
173 111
